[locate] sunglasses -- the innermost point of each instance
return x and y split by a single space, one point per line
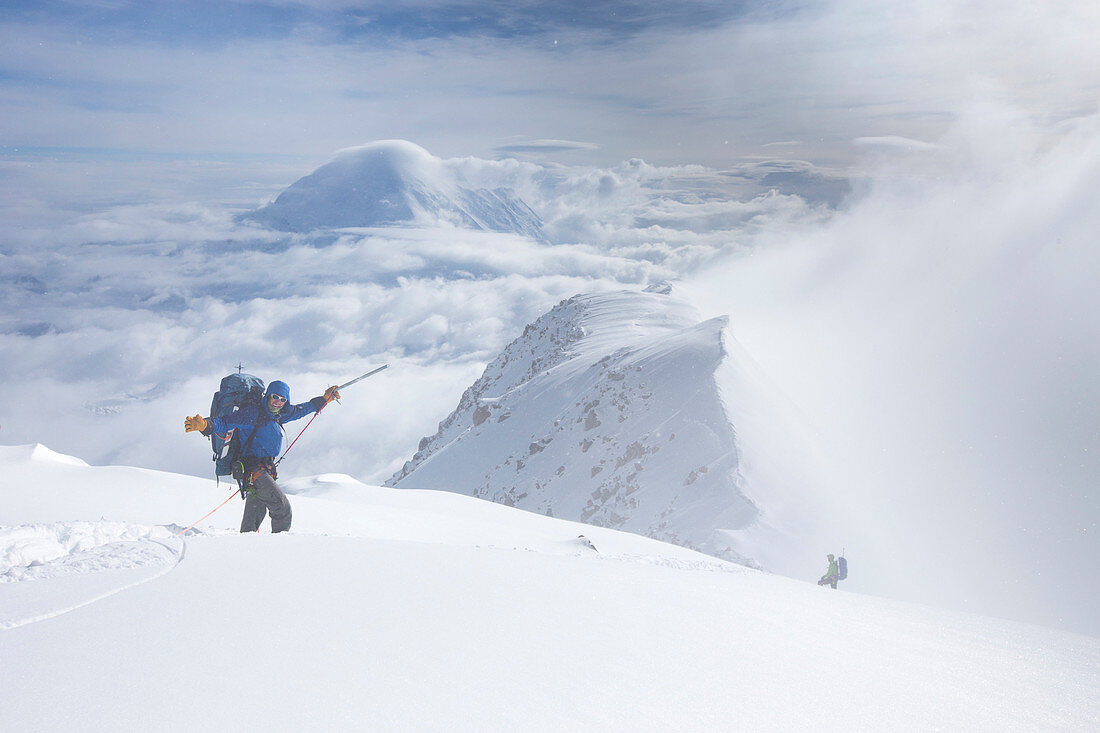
277 398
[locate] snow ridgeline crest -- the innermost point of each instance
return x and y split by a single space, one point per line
604 410
543 345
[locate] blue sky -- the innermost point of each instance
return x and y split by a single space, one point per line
711 83
400 68
215 23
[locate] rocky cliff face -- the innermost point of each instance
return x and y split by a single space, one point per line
605 410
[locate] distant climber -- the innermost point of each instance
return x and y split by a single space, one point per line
261 439
832 574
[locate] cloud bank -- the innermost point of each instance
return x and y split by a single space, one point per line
940 335
121 314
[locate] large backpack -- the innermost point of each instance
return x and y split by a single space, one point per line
236 391
842 568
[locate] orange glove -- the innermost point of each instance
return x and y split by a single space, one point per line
331 394
194 423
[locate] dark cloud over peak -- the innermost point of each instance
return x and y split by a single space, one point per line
204 22
608 21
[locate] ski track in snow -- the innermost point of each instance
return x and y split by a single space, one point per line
44 552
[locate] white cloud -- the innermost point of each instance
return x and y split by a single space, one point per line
894 141
941 335
134 312
544 146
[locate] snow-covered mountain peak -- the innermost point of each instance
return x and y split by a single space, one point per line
393 183
605 410
37 452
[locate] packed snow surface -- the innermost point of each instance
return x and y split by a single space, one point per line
387 609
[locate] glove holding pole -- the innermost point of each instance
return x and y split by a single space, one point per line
332 393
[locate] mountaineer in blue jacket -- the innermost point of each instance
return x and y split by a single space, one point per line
261 438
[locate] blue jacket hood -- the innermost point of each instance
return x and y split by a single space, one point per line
280 388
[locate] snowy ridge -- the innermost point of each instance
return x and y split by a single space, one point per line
605 411
420 610
39 452
393 182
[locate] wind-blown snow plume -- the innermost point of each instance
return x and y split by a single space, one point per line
941 335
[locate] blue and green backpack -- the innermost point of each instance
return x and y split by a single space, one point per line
235 391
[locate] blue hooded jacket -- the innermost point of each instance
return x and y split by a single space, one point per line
268 440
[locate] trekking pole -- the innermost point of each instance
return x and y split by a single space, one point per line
360 378
219 506
345 384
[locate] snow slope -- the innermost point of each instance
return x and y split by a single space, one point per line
386 609
608 410
392 182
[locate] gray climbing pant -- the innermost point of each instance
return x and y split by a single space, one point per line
265 496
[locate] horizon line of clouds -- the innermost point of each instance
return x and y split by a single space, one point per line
46 198
630 225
